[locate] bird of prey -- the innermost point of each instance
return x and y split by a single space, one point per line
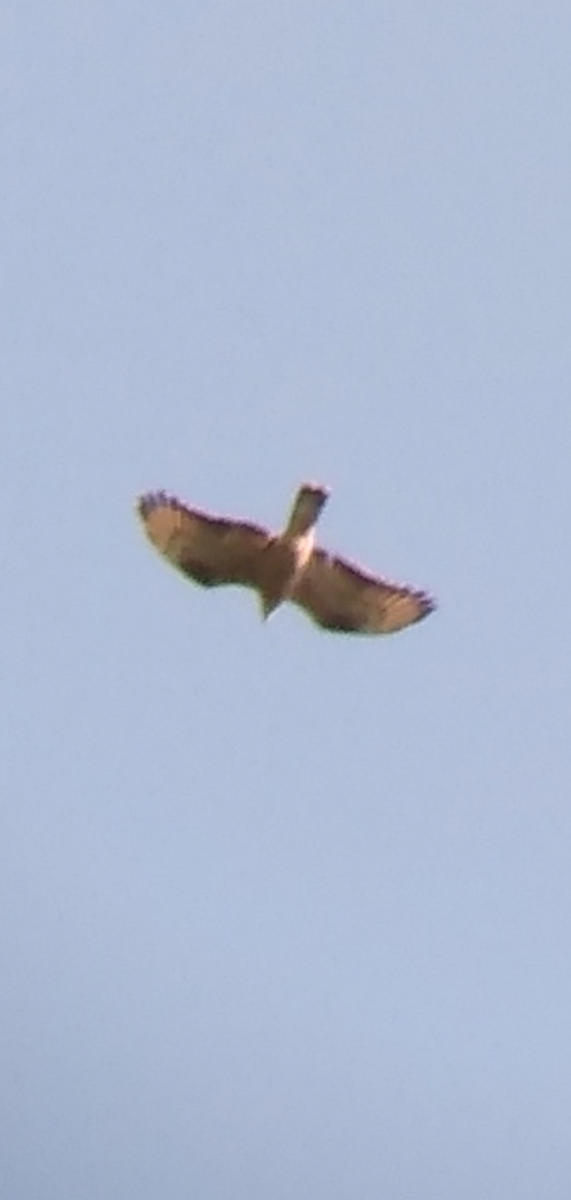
336 594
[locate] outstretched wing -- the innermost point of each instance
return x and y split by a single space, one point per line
341 597
210 550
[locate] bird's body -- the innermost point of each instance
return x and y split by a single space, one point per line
288 553
282 563
337 594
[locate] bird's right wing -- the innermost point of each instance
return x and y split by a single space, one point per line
210 550
342 597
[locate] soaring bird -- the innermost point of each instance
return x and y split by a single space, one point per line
336 593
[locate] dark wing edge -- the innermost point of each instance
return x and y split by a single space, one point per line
210 550
341 597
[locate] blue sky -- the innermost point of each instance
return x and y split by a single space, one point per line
286 915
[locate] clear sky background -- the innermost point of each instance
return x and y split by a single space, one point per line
285 915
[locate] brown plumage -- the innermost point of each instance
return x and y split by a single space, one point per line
336 594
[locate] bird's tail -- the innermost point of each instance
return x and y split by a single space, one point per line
306 508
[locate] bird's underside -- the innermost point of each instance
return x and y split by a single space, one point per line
335 593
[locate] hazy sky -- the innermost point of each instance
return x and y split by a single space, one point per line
286 916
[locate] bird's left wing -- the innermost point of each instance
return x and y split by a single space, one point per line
343 598
210 550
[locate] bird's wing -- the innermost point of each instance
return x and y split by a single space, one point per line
210 550
341 597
